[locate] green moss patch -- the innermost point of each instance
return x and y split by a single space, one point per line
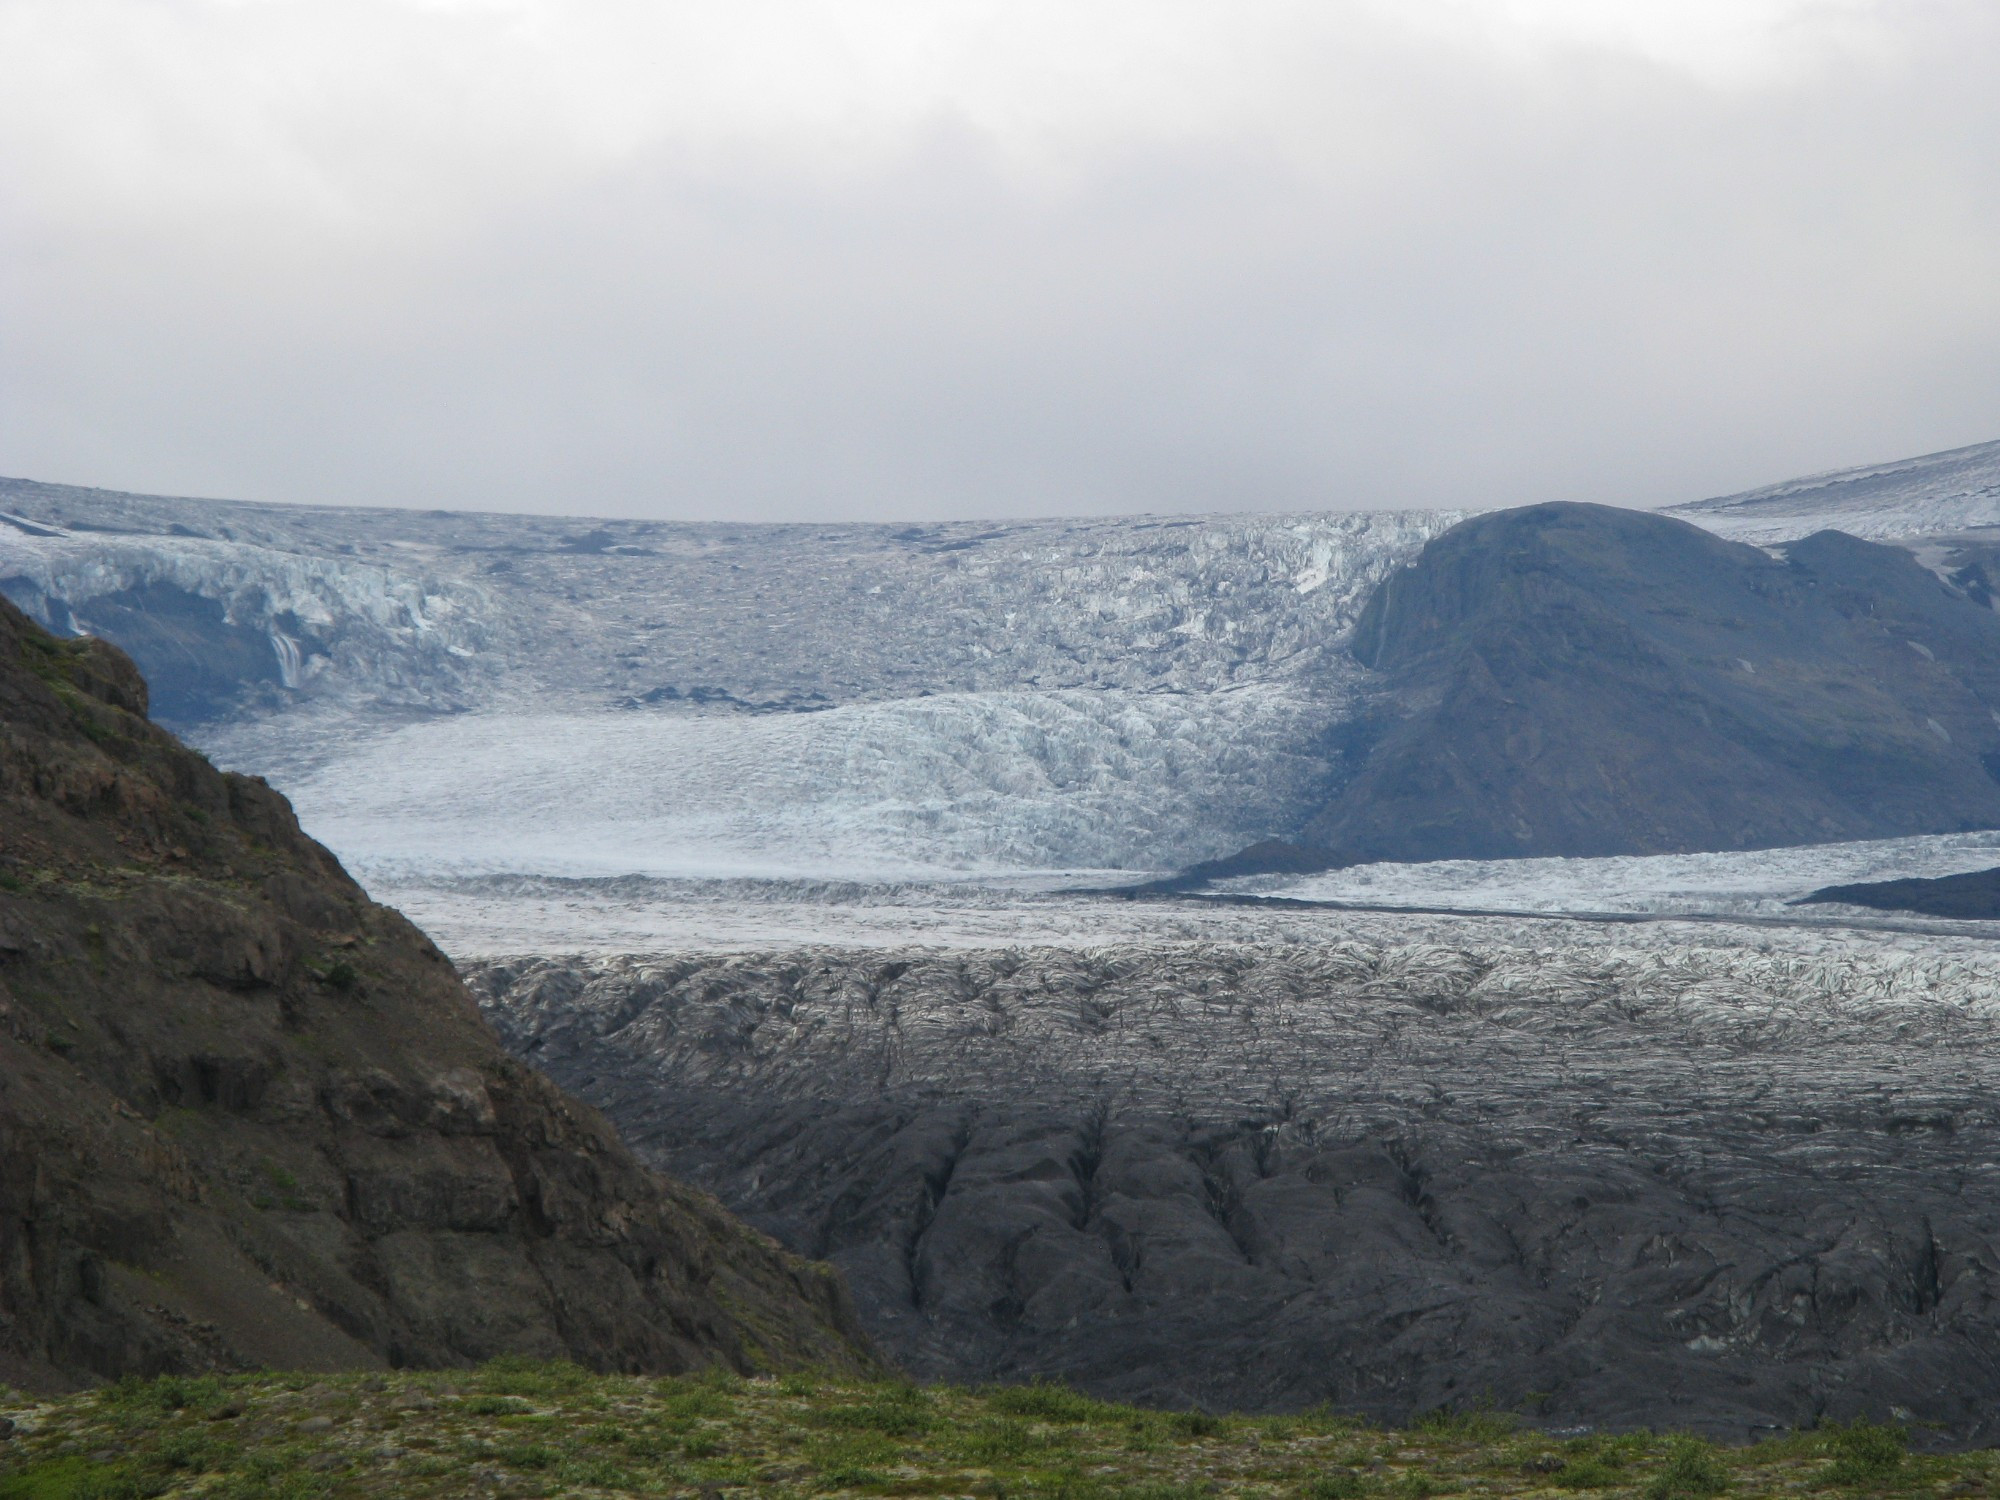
517 1428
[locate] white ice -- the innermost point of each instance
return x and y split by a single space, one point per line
1911 498
950 784
1019 706
1760 883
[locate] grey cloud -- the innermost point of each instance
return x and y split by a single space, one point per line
1590 278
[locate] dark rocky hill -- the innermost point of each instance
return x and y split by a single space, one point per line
249 1117
1580 680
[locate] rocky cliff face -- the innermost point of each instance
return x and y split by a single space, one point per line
1578 680
249 1117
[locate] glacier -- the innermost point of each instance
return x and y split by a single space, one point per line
461 703
600 697
908 788
1938 494
1762 883
792 848
1384 1136
1656 904
1661 1174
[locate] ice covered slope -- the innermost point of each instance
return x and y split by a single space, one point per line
520 693
1937 494
1003 780
517 694
245 608
359 605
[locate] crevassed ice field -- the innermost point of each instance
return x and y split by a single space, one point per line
576 735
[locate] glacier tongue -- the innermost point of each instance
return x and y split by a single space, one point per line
954 783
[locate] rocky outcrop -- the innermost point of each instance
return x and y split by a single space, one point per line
1715 1184
1583 680
1974 895
249 1117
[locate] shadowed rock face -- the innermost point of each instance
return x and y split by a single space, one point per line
197 663
249 1117
1710 1187
1974 895
1577 679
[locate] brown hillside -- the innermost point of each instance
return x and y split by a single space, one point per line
249 1117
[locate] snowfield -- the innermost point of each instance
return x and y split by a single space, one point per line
1936 495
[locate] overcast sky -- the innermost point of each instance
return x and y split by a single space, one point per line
769 259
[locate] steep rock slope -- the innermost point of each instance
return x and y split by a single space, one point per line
1577 679
249 1117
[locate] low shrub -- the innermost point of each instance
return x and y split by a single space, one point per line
511 1375
1691 1471
895 1411
1047 1401
1479 1424
79 1479
1864 1453
1344 1485
1195 1424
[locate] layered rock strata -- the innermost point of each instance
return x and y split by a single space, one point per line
249 1117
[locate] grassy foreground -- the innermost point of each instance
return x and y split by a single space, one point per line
514 1428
